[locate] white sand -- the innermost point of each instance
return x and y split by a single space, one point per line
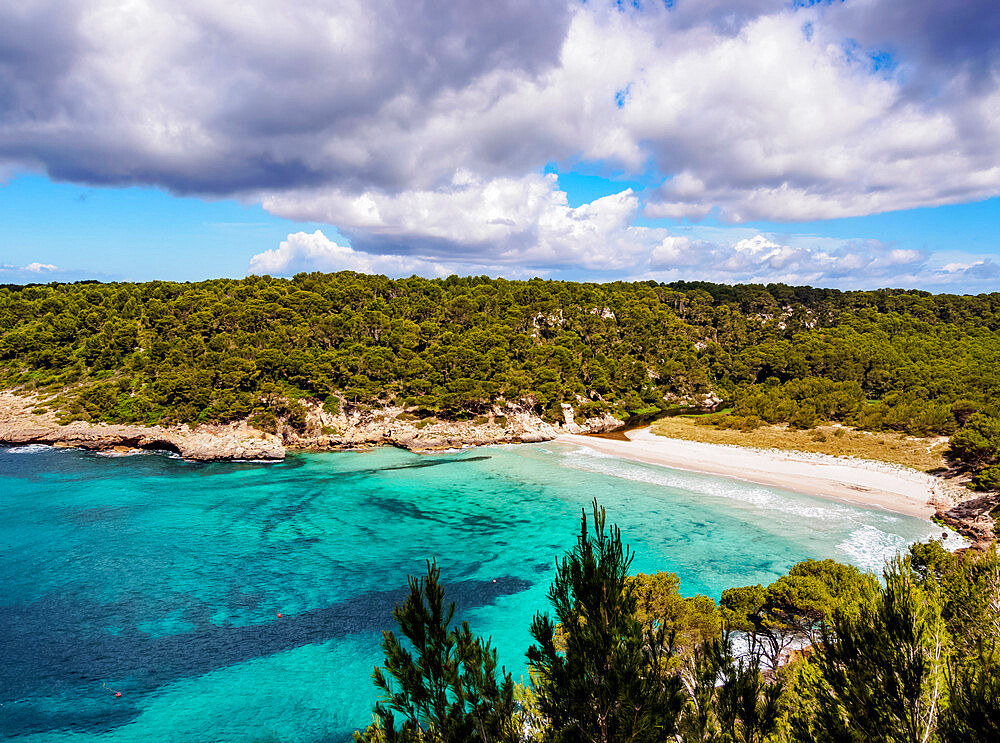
859 481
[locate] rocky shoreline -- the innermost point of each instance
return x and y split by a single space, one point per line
973 518
389 426
20 424
324 431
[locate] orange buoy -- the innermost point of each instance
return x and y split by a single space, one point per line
279 615
118 693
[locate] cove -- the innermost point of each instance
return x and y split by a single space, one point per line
163 579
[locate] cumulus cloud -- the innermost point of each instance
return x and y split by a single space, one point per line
734 96
304 251
728 257
524 221
790 259
419 129
37 267
204 96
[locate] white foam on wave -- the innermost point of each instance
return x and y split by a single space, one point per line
869 548
27 449
738 490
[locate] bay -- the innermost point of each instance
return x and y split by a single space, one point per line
162 580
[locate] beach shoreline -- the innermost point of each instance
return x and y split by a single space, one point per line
859 482
866 483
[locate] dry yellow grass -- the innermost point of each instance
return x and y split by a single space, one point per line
919 453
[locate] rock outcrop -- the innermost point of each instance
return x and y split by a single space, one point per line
20 425
510 423
973 518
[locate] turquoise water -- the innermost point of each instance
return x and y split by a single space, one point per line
162 579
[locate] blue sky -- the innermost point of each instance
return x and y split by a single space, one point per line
133 233
852 144
142 233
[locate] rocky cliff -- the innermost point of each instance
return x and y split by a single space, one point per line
21 423
509 423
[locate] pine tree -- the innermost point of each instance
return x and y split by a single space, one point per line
880 668
448 689
611 684
699 675
747 705
974 700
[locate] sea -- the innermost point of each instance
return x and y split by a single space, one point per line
148 598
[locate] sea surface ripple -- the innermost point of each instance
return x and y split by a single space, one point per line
162 580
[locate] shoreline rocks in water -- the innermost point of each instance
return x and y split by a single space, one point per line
20 425
973 518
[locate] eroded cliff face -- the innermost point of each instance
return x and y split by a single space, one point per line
509 423
20 424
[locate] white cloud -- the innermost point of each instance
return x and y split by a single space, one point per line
303 251
418 128
41 267
740 108
524 221
37 272
731 256
759 124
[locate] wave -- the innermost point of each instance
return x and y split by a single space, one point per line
706 485
869 548
27 449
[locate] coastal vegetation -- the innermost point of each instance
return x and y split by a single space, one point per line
921 453
824 653
223 350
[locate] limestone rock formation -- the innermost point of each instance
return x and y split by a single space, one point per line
19 424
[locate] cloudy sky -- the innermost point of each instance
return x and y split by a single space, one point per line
851 144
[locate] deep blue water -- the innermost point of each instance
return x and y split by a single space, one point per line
162 579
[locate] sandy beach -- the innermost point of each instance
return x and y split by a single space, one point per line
861 482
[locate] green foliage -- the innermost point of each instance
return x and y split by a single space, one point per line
449 691
226 350
969 589
977 446
913 660
973 711
611 683
978 443
332 404
748 707
793 608
689 620
987 478
879 668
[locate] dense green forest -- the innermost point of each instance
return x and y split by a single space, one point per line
222 350
912 659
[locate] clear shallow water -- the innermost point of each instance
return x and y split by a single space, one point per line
162 579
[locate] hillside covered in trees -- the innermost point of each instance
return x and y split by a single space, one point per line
223 350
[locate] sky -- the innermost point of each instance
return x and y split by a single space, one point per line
852 144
